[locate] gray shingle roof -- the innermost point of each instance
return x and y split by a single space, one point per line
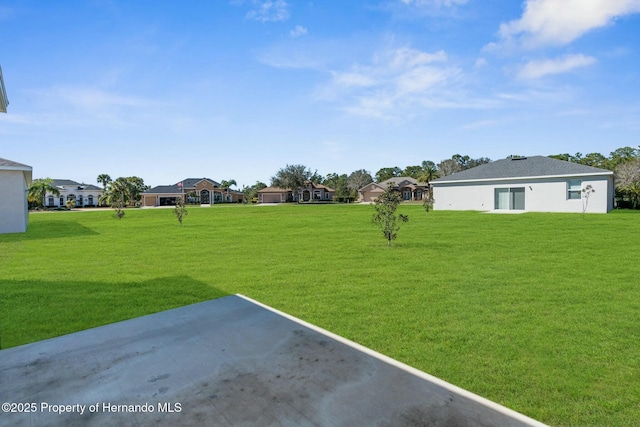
164 189
524 167
71 183
12 164
191 182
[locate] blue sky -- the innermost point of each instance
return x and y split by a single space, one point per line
237 89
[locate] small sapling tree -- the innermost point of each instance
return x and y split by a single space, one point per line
180 210
385 216
586 192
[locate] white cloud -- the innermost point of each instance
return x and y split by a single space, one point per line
395 81
298 31
558 23
269 11
545 67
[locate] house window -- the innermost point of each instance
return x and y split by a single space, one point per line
90 200
509 199
50 200
61 200
80 201
574 189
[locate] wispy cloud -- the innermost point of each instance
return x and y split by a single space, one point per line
545 67
298 31
269 11
395 80
558 23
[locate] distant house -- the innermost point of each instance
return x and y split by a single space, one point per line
84 195
15 178
311 192
408 187
4 101
534 184
203 191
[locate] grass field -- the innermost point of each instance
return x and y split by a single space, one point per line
539 312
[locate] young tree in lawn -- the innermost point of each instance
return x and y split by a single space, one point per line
292 177
39 188
385 216
180 210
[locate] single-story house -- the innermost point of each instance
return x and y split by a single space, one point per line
194 190
533 184
408 187
84 195
15 179
311 192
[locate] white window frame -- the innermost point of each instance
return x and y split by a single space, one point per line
574 188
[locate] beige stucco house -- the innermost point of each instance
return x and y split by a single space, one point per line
312 192
15 178
408 187
204 191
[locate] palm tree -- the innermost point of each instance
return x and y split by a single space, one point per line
104 179
39 188
226 184
429 173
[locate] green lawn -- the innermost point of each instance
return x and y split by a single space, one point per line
539 312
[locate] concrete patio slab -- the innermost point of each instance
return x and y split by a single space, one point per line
225 362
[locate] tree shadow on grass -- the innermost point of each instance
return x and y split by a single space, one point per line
49 230
35 310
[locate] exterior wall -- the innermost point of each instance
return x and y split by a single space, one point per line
541 195
65 193
369 193
13 207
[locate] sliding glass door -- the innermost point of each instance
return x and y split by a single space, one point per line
509 199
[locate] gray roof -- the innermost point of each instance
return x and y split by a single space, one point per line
191 182
13 165
70 183
523 167
164 189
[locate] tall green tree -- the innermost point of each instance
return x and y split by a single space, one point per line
104 179
429 173
385 216
226 185
292 177
627 181
356 180
251 192
39 188
385 173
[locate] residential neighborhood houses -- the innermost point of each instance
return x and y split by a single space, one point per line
204 191
558 183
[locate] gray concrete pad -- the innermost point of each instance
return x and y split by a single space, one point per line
225 362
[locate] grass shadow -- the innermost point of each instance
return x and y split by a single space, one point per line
36 310
49 230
